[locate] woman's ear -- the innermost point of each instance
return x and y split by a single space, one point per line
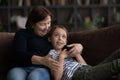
66 42
32 25
49 39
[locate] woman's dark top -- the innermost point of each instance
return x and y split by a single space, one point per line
26 44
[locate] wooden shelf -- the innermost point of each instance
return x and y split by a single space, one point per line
70 13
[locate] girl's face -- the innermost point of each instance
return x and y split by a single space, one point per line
59 38
41 28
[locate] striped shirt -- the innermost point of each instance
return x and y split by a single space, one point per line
69 67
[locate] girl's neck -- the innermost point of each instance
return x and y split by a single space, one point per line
58 50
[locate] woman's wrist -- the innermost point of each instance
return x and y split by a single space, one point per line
36 59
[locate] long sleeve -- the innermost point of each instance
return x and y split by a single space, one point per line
26 44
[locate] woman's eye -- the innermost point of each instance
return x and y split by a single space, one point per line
56 34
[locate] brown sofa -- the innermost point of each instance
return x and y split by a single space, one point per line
98 44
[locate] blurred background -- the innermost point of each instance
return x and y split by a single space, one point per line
76 15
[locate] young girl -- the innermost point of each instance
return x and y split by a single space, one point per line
76 68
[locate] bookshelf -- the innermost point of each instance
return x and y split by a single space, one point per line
75 14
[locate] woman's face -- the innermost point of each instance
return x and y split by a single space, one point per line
58 38
41 28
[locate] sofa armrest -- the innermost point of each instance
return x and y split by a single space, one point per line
98 44
5 51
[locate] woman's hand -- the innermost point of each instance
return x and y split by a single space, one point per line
46 61
75 50
51 63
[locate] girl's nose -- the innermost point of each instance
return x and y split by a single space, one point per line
60 37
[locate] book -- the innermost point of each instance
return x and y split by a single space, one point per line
54 2
20 3
47 2
70 18
79 19
75 16
103 2
87 2
28 3
61 2
14 3
79 2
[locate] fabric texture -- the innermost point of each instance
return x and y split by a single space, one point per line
69 67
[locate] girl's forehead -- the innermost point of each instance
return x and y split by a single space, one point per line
59 30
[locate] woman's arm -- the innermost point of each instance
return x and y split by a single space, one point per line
46 61
25 57
76 52
20 48
75 48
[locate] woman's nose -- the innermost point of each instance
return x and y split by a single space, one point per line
47 27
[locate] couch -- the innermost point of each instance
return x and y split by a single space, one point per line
98 44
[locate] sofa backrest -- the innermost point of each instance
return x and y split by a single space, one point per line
98 44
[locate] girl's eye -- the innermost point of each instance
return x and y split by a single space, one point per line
64 36
48 23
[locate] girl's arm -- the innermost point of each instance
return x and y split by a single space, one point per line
59 72
80 59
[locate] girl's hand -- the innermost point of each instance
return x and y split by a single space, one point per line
57 74
64 53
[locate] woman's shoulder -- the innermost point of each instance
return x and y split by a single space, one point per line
22 32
